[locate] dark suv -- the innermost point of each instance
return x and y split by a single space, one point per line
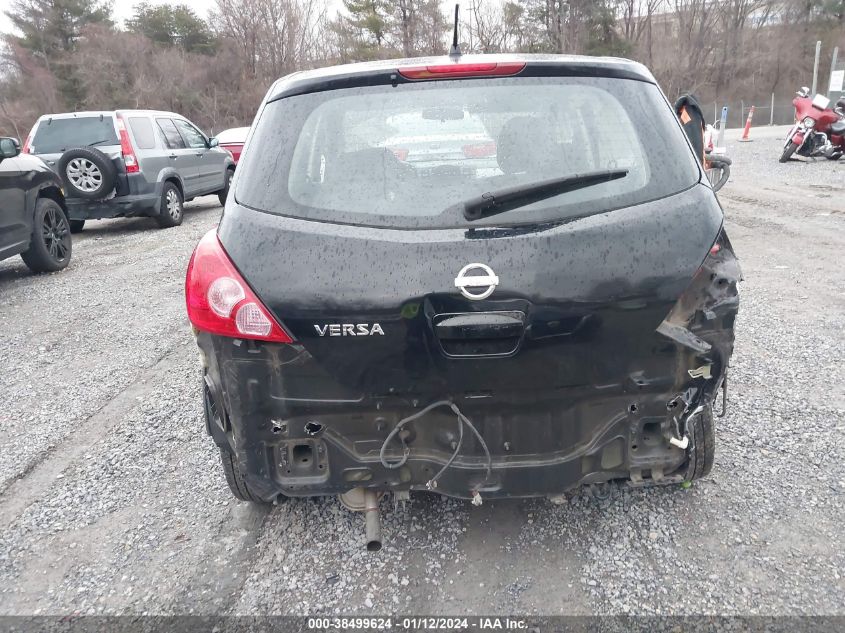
557 316
126 163
33 216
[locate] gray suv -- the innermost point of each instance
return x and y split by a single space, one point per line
125 163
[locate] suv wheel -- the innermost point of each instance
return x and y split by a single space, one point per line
704 445
172 210
224 193
50 245
87 173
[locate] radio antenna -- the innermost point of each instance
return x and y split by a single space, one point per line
455 50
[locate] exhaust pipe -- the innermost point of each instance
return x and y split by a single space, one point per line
372 520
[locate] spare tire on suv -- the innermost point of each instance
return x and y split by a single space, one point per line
87 173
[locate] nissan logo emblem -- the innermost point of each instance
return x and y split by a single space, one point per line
487 281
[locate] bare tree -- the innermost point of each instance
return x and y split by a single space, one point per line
636 18
275 37
489 31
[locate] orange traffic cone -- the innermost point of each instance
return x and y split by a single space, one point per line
747 129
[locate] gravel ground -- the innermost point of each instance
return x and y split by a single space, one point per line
112 499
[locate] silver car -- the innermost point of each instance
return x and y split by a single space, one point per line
445 140
125 163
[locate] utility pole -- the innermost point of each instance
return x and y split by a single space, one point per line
772 111
816 67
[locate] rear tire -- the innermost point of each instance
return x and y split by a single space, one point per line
224 193
231 469
76 226
172 209
704 445
235 479
788 150
50 245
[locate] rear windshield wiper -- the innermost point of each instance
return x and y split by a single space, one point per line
509 198
105 140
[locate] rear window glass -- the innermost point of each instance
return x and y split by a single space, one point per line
57 135
409 156
142 130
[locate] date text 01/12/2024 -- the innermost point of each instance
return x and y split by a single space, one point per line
420 623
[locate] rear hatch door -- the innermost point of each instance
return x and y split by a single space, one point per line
371 264
55 135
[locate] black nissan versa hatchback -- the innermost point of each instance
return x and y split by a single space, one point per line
485 276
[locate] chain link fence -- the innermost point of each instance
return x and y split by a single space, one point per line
782 114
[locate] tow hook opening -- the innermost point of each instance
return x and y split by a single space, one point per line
302 454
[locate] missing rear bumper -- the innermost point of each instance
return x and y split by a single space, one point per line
534 451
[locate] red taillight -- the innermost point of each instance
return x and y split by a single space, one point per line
400 152
220 302
480 150
126 148
456 71
27 144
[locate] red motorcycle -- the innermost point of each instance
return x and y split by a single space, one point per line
819 130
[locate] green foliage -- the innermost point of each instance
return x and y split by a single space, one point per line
367 23
173 26
50 30
603 38
565 26
52 27
373 29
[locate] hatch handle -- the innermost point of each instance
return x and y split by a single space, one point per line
481 325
